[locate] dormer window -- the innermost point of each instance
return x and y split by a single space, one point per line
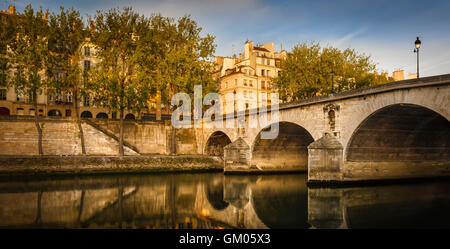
87 51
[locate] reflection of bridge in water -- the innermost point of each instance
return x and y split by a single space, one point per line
213 201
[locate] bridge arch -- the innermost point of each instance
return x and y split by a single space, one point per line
101 115
130 116
86 114
400 134
4 111
54 113
216 142
288 151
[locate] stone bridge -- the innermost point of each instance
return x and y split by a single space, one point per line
395 130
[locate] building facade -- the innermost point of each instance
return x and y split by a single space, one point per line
249 75
51 102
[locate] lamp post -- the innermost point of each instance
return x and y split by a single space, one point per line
417 43
332 82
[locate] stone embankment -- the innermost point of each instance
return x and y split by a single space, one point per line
79 165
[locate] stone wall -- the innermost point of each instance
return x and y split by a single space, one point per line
18 136
147 137
154 137
59 137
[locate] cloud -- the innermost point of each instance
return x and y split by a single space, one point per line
347 38
383 29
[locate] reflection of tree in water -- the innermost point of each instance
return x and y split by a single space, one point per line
150 201
172 201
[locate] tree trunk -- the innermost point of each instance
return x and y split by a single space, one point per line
174 141
158 105
36 122
78 119
121 153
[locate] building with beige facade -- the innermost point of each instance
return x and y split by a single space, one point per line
249 74
60 103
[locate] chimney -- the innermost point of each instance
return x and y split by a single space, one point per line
46 15
11 10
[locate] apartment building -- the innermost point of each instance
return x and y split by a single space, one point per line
60 103
249 74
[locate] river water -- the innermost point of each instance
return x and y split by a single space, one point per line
212 200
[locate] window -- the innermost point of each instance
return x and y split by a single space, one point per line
245 82
59 75
58 98
30 98
245 93
268 62
86 101
68 113
251 82
2 94
268 73
263 84
251 94
68 98
87 51
262 72
87 65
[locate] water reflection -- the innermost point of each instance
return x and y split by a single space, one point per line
216 201
424 205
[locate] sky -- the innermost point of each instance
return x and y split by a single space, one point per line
384 29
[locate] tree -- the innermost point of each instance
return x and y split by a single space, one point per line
310 70
7 33
173 57
113 81
67 34
29 53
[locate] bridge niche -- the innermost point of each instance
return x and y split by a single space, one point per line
216 142
288 151
400 139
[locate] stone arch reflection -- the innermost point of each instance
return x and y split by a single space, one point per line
215 194
281 201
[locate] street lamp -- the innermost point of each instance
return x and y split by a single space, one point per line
417 43
332 81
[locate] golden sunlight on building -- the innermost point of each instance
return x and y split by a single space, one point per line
250 74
